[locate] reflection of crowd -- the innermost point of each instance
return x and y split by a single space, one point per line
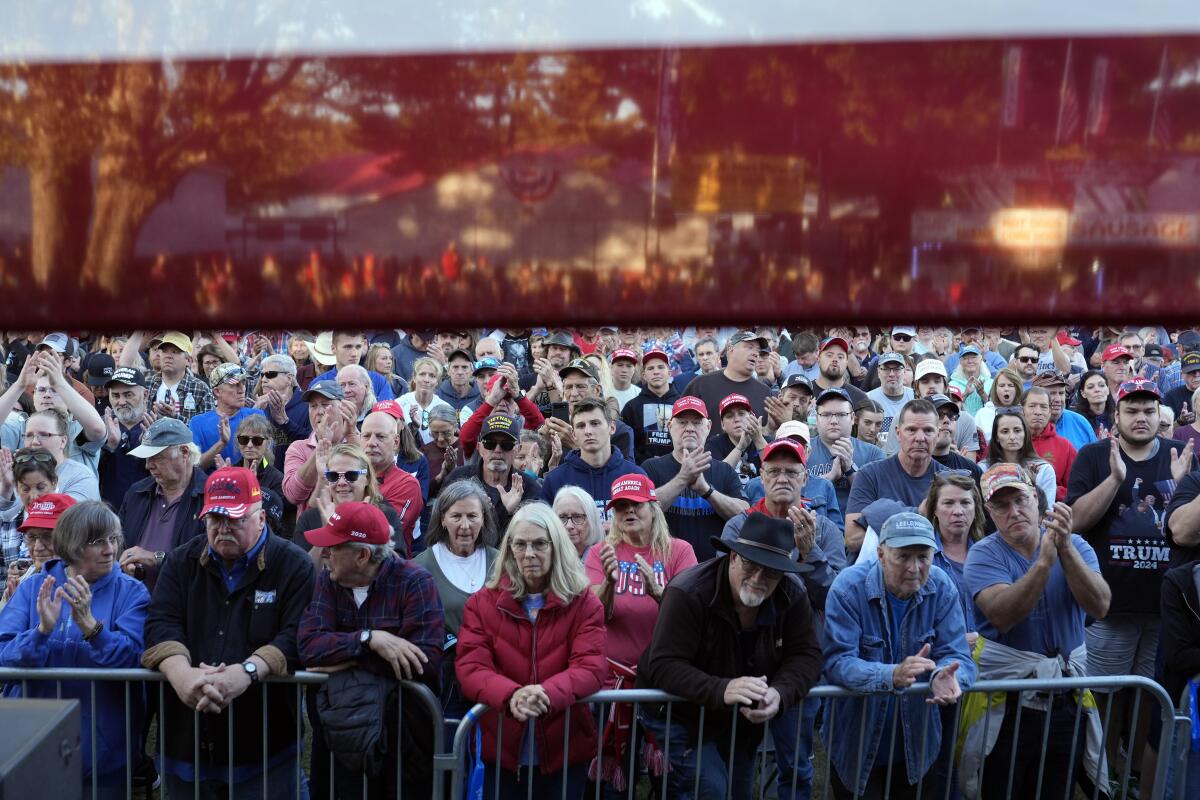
521 517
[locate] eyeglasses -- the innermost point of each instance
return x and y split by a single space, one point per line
350 475
40 434
43 538
272 374
572 519
833 414
111 538
537 545
257 441
891 368
39 456
775 472
750 568
1027 359
1018 501
506 445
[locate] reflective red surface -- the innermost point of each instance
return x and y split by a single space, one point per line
1009 180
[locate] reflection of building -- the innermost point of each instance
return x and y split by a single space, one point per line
1099 205
575 206
188 221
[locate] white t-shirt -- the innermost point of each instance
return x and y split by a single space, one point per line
466 573
409 403
891 410
625 395
360 594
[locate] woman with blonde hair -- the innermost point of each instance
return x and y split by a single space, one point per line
417 404
344 475
531 644
629 572
381 360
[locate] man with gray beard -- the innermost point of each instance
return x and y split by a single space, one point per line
125 418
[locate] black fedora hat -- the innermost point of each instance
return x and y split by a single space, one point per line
766 541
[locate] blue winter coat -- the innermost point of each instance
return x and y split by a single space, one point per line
119 602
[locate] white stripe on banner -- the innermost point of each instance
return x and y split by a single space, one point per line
53 31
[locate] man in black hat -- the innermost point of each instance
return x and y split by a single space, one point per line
1180 398
543 383
126 419
733 631
98 371
459 389
506 486
792 404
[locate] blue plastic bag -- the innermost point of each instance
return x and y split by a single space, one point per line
475 779
1194 713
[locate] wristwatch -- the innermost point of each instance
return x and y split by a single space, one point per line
252 670
159 557
364 638
709 493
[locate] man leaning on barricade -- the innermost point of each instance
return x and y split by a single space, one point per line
734 634
890 623
223 617
1033 582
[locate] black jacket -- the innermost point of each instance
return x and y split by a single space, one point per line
135 510
697 649
1180 635
193 614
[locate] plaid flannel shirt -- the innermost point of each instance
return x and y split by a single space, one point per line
402 600
190 384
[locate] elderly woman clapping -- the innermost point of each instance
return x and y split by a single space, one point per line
81 612
531 644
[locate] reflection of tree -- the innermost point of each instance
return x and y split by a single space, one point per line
47 121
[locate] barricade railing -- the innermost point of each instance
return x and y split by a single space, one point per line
154 686
1050 693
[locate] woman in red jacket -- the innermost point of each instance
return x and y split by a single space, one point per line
531 644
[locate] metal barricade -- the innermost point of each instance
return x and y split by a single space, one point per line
1033 748
132 681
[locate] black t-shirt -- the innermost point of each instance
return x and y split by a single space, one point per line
1129 539
715 387
1187 491
953 460
691 517
1177 397
747 469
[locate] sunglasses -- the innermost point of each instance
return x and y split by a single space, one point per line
1027 359
40 456
271 375
506 445
254 440
350 475
902 337
1017 410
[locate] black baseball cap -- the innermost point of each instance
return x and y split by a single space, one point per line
128 376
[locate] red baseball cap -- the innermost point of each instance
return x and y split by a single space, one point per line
632 487
389 407
735 400
656 353
352 522
1066 338
689 403
785 446
45 511
623 352
955 393
833 341
1138 386
1115 351
230 492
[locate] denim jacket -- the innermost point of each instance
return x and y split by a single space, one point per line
858 655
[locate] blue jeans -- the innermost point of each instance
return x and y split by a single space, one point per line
706 761
792 733
281 785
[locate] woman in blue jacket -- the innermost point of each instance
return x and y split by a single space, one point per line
82 612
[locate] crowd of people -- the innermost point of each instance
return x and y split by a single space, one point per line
521 518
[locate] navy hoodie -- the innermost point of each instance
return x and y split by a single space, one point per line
574 471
